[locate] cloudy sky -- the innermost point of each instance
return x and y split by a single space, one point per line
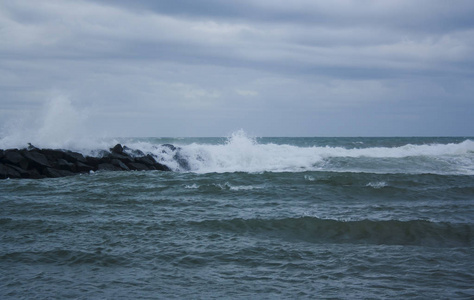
210 67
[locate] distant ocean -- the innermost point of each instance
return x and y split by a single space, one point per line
249 218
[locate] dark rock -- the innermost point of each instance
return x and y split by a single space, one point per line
161 167
93 161
73 157
136 152
182 161
137 166
54 173
117 149
108 167
41 163
35 174
8 172
23 173
80 167
63 164
31 147
36 159
146 160
52 155
119 164
14 157
122 157
169 146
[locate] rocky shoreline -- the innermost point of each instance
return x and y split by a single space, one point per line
38 163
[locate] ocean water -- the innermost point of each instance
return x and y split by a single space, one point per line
249 218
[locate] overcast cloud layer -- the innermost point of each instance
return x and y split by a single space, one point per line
208 67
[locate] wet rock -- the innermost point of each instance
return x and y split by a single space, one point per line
8 172
83 168
119 164
63 164
73 157
118 149
138 166
108 167
36 159
169 146
40 163
14 157
55 173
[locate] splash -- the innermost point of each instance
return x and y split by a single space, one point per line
58 124
242 153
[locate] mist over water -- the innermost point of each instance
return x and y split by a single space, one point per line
58 124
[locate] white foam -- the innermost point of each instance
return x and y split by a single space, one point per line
377 184
242 153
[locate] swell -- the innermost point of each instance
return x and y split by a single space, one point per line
63 257
316 230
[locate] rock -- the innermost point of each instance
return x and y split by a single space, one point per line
14 157
36 159
146 160
161 167
8 172
54 173
35 174
31 147
41 163
169 146
81 167
23 173
63 164
136 153
119 164
108 167
52 155
138 166
117 149
122 157
182 161
73 157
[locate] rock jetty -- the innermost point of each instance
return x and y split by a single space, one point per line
38 163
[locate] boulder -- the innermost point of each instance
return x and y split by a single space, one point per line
138 166
36 159
80 167
23 173
108 167
8 172
40 163
119 164
14 157
63 164
118 149
54 173
74 157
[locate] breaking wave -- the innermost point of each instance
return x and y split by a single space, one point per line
241 153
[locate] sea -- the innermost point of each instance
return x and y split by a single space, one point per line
243 217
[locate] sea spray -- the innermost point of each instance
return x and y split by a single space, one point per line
57 124
241 153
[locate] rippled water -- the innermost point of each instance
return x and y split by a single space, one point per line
341 226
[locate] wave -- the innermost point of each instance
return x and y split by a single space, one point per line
315 230
241 153
64 257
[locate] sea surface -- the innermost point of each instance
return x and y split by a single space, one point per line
249 218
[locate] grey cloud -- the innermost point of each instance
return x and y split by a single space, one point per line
247 62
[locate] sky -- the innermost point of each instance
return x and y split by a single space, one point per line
207 68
